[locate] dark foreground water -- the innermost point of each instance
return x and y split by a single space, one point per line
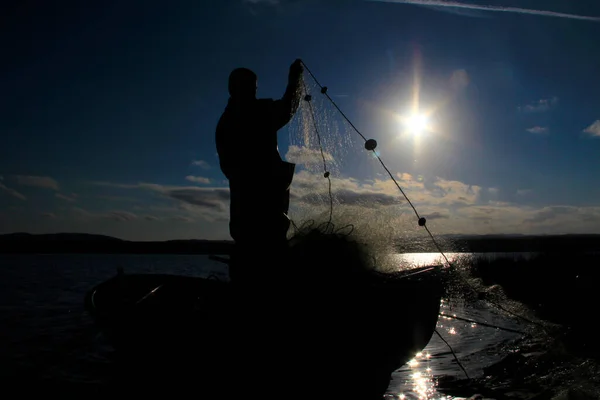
45 335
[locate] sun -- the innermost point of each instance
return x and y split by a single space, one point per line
416 123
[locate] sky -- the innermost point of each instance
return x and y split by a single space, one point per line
109 109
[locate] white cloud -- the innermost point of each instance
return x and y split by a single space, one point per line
450 206
37 181
537 130
12 192
594 129
197 179
541 105
303 155
312 189
201 163
437 215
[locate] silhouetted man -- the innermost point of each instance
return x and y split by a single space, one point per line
259 180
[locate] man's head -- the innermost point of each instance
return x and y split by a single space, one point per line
242 84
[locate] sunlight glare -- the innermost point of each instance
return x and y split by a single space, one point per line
417 123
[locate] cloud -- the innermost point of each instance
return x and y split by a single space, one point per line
117 215
565 219
349 197
197 179
71 199
594 129
303 155
467 6
37 181
451 206
537 130
116 198
120 216
548 213
212 199
461 11
150 218
180 218
201 163
141 185
12 192
514 218
540 106
437 191
436 215
49 215
209 203
311 188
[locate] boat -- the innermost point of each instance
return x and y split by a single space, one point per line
333 335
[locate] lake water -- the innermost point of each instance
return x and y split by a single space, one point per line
46 335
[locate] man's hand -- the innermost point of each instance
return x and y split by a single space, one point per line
296 69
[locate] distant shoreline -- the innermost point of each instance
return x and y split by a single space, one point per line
76 243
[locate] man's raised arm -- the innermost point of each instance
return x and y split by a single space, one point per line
286 107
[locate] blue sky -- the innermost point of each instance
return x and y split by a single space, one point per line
109 112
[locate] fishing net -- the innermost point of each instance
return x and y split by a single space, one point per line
344 195
325 195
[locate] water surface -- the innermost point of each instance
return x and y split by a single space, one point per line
47 335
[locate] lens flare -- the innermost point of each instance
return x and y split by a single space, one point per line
417 123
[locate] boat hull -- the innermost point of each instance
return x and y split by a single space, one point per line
346 338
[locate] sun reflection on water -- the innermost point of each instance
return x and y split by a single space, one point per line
461 341
421 382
